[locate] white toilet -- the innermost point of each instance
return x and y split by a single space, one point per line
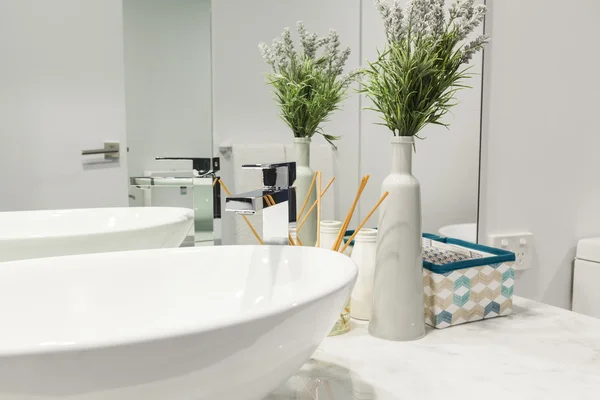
466 232
586 277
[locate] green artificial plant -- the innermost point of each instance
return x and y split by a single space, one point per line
414 80
309 84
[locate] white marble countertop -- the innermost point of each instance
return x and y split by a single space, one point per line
538 352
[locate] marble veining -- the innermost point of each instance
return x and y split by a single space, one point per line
538 352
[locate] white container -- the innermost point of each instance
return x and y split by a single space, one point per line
329 233
364 255
398 292
304 177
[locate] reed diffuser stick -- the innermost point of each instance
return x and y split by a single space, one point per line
319 188
314 205
310 189
245 217
359 192
362 224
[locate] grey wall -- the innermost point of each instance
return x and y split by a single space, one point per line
168 80
541 142
62 92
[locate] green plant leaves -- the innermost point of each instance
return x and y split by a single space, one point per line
414 81
308 88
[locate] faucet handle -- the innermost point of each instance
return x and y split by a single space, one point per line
276 175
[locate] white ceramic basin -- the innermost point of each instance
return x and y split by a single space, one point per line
222 323
36 234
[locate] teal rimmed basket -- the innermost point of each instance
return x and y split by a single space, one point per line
465 282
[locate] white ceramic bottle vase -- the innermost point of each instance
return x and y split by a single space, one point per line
398 295
329 233
304 177
364 255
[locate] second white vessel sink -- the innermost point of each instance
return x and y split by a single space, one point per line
36 234
209 323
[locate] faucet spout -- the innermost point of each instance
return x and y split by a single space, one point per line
277 200
250 203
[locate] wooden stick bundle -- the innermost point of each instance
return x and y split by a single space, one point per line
340 237
310 189
314 205
362 224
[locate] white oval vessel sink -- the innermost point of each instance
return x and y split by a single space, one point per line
222 323
36 234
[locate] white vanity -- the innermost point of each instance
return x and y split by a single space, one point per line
539 352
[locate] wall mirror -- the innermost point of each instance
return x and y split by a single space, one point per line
173 100
177 86
168 92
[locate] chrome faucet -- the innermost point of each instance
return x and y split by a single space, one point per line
277 199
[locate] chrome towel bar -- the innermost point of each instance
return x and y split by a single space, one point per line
111 151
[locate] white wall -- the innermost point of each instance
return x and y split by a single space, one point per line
446 163
62 91
244 109
168 80
540 155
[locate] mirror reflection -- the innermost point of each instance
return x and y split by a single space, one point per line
168 92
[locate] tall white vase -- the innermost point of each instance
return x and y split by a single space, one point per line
304 177
398 294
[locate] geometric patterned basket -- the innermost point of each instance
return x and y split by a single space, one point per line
465 282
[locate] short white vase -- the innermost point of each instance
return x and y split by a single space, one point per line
304 177
329 233
365 256
398 294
